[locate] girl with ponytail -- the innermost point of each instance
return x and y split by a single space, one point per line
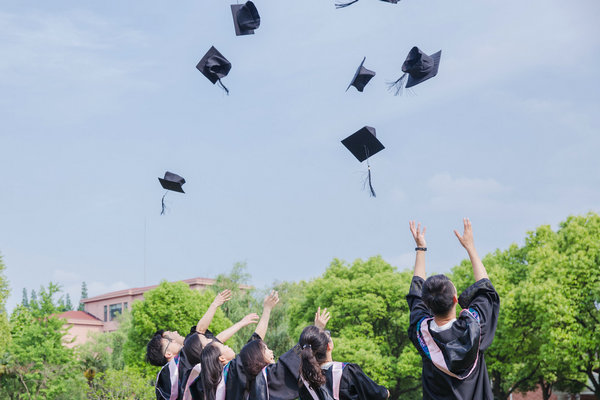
321 378
265 379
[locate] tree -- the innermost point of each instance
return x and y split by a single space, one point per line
84 295
38 365
25 301
170 306
4 292
369 321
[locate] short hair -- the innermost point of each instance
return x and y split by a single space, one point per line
155 354
438 294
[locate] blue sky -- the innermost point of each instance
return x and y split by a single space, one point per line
98 99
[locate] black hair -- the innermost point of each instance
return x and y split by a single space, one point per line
155 354
438 294
193 349
313 341
212 370
252 356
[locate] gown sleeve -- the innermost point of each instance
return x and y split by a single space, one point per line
483 301
357 385
418 309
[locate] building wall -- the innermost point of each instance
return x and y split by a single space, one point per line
80 332
98 308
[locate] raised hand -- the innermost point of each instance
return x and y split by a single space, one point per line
271 300
222 297
249 319
321 318
466 239
418 235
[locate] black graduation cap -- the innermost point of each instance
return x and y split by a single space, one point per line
361 77
364 144
214 66
171 182
342 5
245 18
417 68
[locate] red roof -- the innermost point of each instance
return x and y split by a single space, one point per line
144 289
81 315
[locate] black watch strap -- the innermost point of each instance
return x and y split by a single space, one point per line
420 248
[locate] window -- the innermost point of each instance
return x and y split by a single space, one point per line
125 306
115 309
105 312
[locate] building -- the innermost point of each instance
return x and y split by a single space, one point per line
100 312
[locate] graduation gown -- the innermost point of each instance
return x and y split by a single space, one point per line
167 381
277 381
453 359
189 356
354 385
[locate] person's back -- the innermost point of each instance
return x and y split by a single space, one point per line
452 348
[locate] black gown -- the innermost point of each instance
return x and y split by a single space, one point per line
453 359
166 386
277 381
189 356
354 385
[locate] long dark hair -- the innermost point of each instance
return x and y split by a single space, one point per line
212 370
314 342
252 356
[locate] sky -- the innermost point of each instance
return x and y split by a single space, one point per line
99 99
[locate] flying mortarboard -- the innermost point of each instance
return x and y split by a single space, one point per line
361 77
342 5
364 144
417 68
171 182
214 66
245 18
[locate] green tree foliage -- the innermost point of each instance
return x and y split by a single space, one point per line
38 365
25 300
243 301
170 306
127 384
369 321
104 350
84 295
4 326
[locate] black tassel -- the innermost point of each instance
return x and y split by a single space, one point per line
370 184
398 86
163 204
342 5
223 87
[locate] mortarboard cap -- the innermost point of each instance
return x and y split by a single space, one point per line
363 144
172 182
214 66
245 18
361 77
417 68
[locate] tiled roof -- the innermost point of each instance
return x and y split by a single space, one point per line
80 315
141 290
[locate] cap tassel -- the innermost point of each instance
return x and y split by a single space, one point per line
223 87
342 5
372 191
162 212
398 86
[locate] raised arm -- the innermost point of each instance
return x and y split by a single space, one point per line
270 300
469 244
421 248
229 332
206 319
